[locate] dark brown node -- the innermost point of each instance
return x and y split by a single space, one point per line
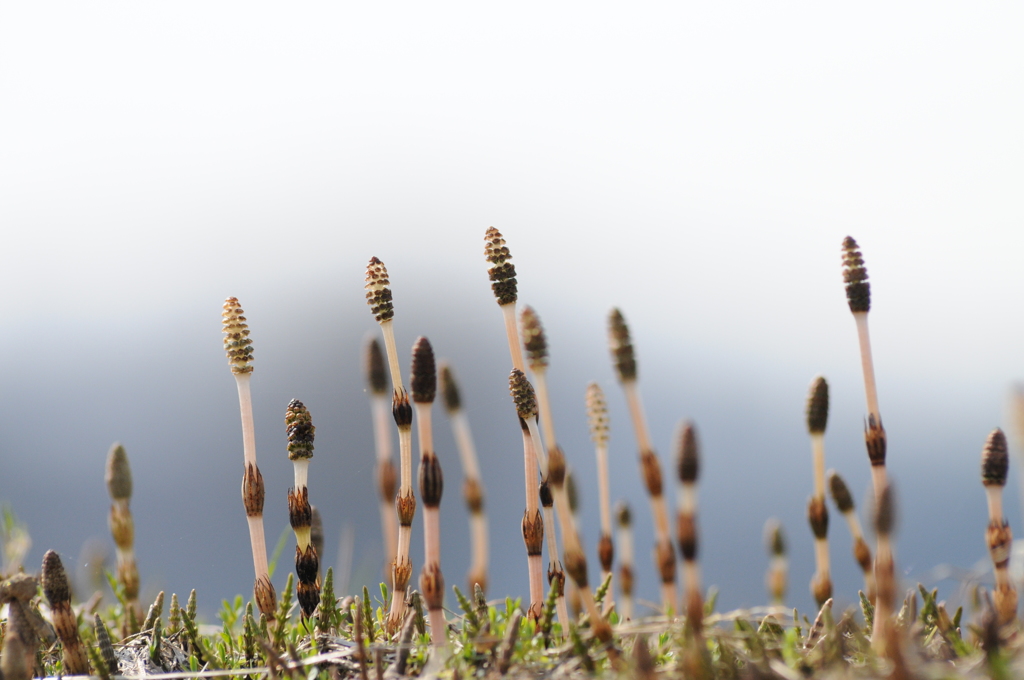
626 579
534 340
862 553
308 595
841 495
378 293
533 533
401 409
651 470
688 456
423 382
387 479
999 537
450 389
266 598
623 515
572 492
774 538
301 432
400 574
544 491
307 564
605 552
576 566
821 589
406 507
556 466
300 513
621 346
477 577
473 494
694 610
686 534
376 371
432 587
817 406
666 557
874 438
252 490
431 481
885 511
995 461
855 277
817 516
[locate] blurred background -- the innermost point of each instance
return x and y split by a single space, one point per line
696 165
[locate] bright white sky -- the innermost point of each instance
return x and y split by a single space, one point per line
697 164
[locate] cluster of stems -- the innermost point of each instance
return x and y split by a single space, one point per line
817 511
472 485
423 388
688 468
122 526
379 298
387 476
624 360
778 565
301 432
843 499
995 463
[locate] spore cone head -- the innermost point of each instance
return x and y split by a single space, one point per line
817 406
119 473
597 414
623 515
995 461
501 271
55 580
621 346
237 344
450 389
299 425
423 383
534 339
841 495
687 454
522 394
378 291
376 371
855 277
774 538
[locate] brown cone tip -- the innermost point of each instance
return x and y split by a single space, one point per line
300 429
237 344
855 277
423 383
994 459
623 515
774 538
378 291
597 414
817 406
534 339
621 346
840 492
119 473
450 389
376 371
885 512
522 394
502 272
687 456
55 580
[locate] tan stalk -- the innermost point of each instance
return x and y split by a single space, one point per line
882 633
778 567
817 511
502 274
624 359
861 552
688 468
533 523
238 347
301 432
122 525
377 382
597 415
423 388
472 487
58 593
379 298
624 517
995 463
858 295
